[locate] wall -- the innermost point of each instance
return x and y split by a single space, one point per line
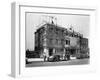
74 42
5 40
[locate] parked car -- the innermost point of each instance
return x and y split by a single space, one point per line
32 54
82 56
54 58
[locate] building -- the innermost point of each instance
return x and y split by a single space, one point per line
84 49
55 40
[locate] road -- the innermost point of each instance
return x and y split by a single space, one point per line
70 62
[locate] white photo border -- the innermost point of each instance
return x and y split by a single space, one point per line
19 65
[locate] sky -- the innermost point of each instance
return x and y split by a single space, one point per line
80 23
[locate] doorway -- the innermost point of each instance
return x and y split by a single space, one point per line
50 51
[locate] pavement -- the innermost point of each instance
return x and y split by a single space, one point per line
35 59
41 59
70 62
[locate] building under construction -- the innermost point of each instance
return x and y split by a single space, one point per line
52 39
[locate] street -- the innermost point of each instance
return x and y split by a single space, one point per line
70 62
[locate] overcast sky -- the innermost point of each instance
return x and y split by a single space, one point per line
80 24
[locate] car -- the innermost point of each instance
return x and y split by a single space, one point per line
82 56
54 58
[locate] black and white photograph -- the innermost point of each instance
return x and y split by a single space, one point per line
53 39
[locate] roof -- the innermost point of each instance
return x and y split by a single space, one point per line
59 27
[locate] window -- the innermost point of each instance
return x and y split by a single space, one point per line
59 41
56 41
67 42
51 41
62 41
57 31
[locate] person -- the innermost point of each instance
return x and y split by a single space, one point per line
65 56
44 55
68 55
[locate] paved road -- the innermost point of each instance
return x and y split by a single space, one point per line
71 62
